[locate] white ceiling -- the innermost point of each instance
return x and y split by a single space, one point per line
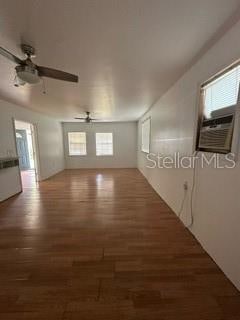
127 53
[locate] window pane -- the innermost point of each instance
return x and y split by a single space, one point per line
77 143
222 92
104 144
146 135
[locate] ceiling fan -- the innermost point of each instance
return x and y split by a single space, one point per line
87 119
28 72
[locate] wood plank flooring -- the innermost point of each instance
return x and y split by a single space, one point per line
102 245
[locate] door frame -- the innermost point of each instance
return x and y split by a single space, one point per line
35 147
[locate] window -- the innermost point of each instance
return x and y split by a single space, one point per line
219 104
77 143
220 95
104 144
146 135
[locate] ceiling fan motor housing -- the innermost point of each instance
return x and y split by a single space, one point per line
28 74
28 50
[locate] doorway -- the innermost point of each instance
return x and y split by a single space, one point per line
26 150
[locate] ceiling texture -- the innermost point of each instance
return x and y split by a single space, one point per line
127 53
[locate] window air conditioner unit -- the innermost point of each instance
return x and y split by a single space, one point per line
216 134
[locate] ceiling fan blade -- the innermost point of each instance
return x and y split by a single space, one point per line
56 74
10 56
80 118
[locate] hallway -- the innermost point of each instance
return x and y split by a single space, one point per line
101 244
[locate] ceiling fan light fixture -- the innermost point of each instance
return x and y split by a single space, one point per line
28 74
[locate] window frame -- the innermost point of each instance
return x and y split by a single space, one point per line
149 135
76 155
104 155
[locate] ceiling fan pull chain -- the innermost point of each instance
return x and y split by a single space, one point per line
43 86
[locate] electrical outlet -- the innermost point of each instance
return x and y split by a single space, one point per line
185 186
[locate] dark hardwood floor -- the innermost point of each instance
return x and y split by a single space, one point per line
101 244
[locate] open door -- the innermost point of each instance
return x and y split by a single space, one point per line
27 153
35 151
22 149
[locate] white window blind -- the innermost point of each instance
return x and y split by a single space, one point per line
77 143
104 144
146 135
222 92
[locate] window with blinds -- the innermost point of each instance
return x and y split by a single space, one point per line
221 93
77 143
104 144
146 125
219 105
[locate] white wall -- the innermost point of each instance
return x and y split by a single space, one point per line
50 144
124 145
216 202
